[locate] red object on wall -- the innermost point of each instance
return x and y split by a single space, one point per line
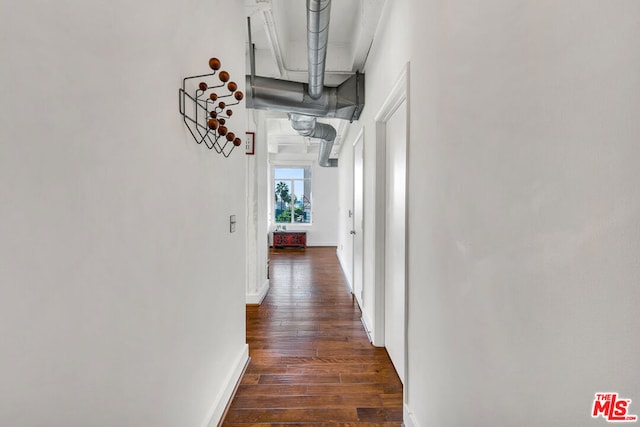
250 147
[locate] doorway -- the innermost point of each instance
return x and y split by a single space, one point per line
391 287
358 218
395 238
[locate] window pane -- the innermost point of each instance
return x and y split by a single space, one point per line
289 173
292 195
301 201
282 206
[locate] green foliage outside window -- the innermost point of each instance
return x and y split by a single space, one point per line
292 196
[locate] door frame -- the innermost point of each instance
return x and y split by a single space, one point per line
395 281
398 94
358 289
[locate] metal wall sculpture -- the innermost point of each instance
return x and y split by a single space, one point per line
206 111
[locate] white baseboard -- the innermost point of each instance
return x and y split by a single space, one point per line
367 329
256 298
226 393
321 244
408 419
344 271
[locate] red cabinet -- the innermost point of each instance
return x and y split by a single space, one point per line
296 239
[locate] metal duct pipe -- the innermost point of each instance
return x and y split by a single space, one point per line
318 14
305 102
327 135
308 126
304 125
344 102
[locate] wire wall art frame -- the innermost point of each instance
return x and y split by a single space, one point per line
205 109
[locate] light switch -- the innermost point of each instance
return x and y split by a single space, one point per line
232 224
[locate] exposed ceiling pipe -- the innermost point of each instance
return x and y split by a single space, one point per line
318 14
305 102
343 102
327 135
307 126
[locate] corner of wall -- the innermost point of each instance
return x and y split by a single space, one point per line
366 322
257 297
340 254
408 418
228 390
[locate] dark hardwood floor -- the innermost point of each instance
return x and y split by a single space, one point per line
311 361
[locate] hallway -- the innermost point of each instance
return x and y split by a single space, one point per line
311 361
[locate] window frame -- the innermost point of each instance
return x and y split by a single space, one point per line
290 181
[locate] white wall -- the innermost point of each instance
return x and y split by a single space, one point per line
325 206
523 206
387 59
524 210
121 288
324 200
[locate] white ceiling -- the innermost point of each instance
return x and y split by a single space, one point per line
279 32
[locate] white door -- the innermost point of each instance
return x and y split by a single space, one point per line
395 236
358 218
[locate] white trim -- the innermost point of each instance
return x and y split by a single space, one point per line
226 393
394 99
396 96
358 228
408 418
359 136
319 244
256 298
378 241
302 163
367 329
342 266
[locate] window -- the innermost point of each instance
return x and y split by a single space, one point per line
292 190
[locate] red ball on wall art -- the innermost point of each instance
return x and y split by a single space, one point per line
214 63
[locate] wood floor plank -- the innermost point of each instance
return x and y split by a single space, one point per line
341 389
391 400
309 401
300 379
311 361
292 415
271 390
388 375
340 368
295 352
316 424
377 414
